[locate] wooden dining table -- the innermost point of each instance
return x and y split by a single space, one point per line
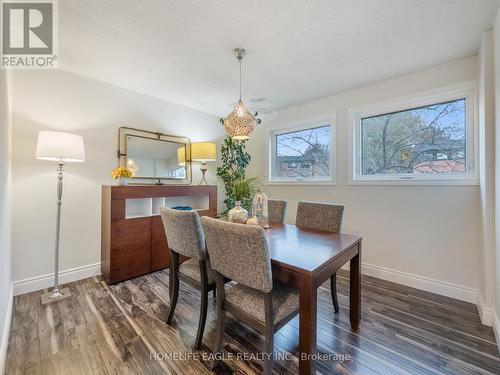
306 258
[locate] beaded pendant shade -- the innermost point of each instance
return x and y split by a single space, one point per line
240 123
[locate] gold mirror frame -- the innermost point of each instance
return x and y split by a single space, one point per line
124 131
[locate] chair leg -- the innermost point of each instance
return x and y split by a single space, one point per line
269 335
214 292
333 287
173 286
269 350
174 294
202 320
221 323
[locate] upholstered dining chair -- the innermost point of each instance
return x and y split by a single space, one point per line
240 252
185 237
276 210
326 217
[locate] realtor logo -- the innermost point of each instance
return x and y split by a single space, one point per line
29 34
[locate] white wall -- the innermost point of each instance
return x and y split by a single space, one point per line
497 171
432 232
5 251
59 100
486 295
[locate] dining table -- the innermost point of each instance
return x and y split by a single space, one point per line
306 258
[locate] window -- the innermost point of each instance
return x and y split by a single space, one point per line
421 140
302 154
179 172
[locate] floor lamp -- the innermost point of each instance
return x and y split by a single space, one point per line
61 148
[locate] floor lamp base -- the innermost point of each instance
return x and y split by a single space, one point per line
56 295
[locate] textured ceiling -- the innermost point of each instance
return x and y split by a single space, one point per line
181 50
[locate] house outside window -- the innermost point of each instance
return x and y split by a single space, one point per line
304 154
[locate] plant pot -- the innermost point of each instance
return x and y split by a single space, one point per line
238 214
122 181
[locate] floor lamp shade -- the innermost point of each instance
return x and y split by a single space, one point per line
60 147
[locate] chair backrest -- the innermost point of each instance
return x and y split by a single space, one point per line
184 232
321 216
276 210
239 252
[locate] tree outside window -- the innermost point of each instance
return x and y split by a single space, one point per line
425 140
303 154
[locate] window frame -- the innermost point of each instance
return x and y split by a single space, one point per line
466 90
272 136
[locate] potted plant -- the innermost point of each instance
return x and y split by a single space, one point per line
242 190
122 175
235 160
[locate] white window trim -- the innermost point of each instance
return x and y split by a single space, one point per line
309 181
467 90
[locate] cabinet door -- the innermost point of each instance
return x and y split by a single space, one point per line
130 248
160 255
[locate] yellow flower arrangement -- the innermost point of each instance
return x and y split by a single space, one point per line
121 172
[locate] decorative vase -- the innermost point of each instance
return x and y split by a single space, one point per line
238 214
260 209
122 181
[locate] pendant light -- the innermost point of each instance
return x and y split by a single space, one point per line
240 123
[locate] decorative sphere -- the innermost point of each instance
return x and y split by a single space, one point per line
253 221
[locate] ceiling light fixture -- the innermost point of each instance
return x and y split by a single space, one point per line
240 123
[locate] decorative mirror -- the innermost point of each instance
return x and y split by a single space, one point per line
155 156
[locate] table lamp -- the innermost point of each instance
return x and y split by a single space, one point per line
181 156
61 148
203 151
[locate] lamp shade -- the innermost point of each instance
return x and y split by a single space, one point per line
203 151
60 147
181 155
240 123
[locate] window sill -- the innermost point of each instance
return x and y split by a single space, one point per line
418 182
301 183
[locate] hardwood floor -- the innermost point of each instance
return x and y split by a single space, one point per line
119 330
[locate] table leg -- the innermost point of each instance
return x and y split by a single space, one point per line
307 325
355 290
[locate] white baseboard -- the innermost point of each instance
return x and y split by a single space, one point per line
420 282
487 314
46 281
4 343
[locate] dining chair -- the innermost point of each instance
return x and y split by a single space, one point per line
240 252
185 237
326 217
276 210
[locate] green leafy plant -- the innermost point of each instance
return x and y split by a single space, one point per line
243 190
235 160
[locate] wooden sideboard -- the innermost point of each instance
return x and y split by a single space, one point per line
133 241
